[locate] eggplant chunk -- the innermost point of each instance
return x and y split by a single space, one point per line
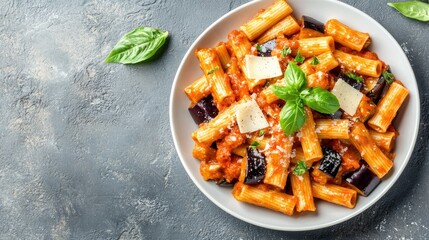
363 179
336 115
255 167
223 183
265 49
311 23
355 84
330 162
204 111
375 93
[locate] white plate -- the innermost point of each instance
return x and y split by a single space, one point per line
327 214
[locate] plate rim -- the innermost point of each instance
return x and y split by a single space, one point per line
388 187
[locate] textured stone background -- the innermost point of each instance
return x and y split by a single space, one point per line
85 147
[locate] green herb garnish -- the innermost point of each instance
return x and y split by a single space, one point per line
299 58
212 70
137 46
388 77
261 132
286 51
254 144
355 77
413 9
315 61
258 47
292 116
300 168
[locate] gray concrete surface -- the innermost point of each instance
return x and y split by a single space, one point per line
85 147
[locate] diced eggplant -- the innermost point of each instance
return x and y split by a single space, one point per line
311 23
214 145
265 49
335 115
330 162
255 167
363 179
375 93
204 111
352 82
223 183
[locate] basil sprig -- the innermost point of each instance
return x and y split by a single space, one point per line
292 116
137 46
413 9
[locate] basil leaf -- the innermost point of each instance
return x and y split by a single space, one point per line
294 76
322 101
355 77
292 117
211 71
286 51
138 45
304 93
299 58
388 77
258 47
254 144
413 9
315 61
300 168
261 133
285 92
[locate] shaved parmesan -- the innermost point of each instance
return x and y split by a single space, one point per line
348 97
250 117
262 67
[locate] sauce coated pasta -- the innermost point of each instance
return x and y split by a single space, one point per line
290 110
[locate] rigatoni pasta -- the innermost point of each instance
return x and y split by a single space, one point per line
265 20
361 65
335 194
198 89
271 199
212 68
347 36
388 107
287 26
379 163
309 47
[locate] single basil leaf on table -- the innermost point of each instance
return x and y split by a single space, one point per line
285 92
321 100
137 46
292 117
294 76
412 9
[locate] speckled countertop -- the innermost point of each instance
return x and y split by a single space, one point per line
85 147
